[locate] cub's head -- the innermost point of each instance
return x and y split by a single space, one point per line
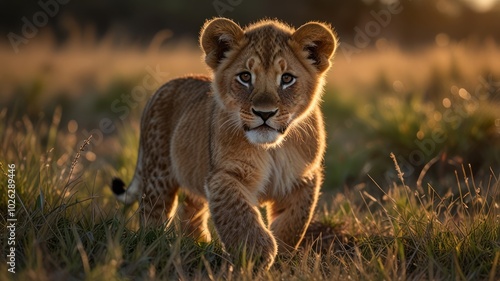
267 76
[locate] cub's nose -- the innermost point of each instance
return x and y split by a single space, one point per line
265 114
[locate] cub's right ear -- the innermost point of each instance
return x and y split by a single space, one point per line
218 37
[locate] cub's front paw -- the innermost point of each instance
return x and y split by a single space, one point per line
259 249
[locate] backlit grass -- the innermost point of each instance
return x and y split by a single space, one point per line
69 226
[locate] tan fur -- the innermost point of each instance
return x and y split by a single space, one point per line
200 135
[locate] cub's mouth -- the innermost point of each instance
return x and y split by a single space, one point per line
264 128
265 135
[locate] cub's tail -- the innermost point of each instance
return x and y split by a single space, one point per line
127 196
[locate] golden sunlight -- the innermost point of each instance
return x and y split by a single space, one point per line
481 5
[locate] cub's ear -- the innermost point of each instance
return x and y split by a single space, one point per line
318 41
219 36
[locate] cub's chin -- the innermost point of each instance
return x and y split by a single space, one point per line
264 136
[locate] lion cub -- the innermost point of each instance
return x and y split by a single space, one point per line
252 134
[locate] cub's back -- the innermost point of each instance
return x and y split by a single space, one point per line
180 112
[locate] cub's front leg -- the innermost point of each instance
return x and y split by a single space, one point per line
233 207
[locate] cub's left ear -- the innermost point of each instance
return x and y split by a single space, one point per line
318 40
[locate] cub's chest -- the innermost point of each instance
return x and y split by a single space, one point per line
286 169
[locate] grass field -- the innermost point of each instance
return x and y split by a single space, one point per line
429 212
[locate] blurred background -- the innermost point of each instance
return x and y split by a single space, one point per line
420 79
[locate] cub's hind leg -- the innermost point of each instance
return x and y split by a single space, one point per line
193 213
153 186
159 199
155 183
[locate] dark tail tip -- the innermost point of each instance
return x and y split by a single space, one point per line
118 186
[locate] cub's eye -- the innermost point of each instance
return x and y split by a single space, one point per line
244 78
287 80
